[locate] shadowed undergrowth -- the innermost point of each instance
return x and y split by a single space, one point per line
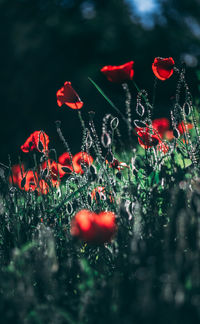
149 271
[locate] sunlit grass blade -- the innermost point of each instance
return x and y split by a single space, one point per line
108 100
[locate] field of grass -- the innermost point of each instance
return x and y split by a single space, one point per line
111 235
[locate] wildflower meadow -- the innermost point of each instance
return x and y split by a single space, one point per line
111 233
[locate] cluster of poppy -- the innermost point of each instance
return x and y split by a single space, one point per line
162 68
49 170
79 159
94 228
27 180
32 180
160 130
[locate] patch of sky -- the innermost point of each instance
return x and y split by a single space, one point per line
66 3
145 10
88 10
193 25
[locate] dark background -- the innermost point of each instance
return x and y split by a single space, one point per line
45 43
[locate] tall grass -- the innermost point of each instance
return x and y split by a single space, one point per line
150 271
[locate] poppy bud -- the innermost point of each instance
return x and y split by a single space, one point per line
68 96
163 68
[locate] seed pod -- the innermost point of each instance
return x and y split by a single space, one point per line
88 141
23 182
69 208
140 109
176 133
114 123
97 195
100 181
187 108
93 169
119 175
89 199
105 139
139 124
40 146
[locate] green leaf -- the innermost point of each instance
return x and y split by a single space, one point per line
108 100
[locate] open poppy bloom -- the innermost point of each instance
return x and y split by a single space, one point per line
94 228
65 160
68 96
54 170
81 158
106 225
120 73
30 182
161 125
38 140
146 139
27 181
163 68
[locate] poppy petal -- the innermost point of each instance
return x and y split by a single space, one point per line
161 125
120 73
65 159
147 140
17 174
68 96
91 227
79 158
38 140
163 67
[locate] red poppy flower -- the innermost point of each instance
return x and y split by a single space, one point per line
106 226
147 140
17 174
92 227
38 140
65 160
161 125
29 181
120 73
82 225
68 96
163 67
32 183
78 159
182 127
55 171
43 187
